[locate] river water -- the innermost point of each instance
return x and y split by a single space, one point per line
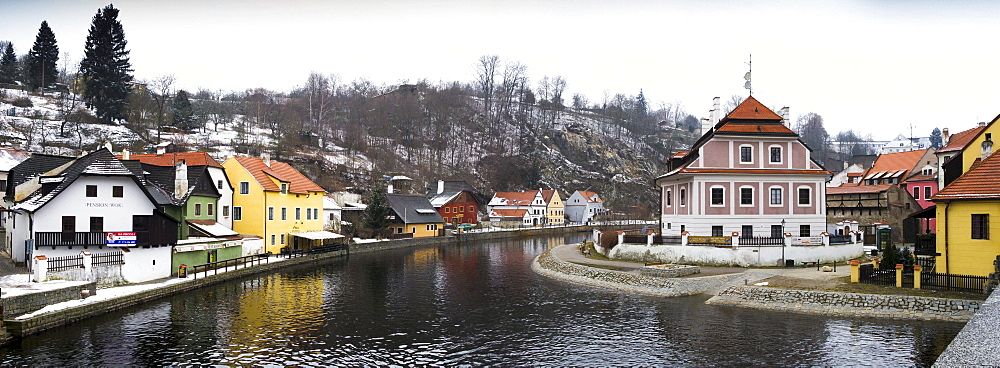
460 305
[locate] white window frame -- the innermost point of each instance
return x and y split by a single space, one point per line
682 200
237 213
669 198
711 196
270 213
798 192
781 154
752 195
740 152
781 196
244 185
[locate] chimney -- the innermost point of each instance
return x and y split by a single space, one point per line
846 164
440 186
706 126
266 157
786 116
107 145
982 123
180 179
389 188
161 149
945 136
126 154
987 146
716 110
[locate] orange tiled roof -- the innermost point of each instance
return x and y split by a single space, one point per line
980 182
588 195
751 109
680 154
959 140
900 161
508 212
857 189
170 159
298 183
517 198
547 195
755 128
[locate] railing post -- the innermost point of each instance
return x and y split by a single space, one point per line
41 268
735 239
826 238
684 238
88 267
875 263
621 237
916 276
899 275
649 239
788 239
855 271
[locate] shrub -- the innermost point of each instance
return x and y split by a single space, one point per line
22 102
609 239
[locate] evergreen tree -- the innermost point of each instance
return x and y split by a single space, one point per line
183 112
374 216
8 65
105 67
42 58
936 139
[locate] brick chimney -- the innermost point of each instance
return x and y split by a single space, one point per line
945 137
180 179
126 154
266 157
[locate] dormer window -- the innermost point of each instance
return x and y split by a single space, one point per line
284 188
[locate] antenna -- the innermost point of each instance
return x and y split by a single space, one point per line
747 75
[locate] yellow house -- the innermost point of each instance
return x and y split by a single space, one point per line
555 210
275 201
413 214
968 216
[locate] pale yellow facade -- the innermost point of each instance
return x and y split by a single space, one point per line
272 215
960 253
555 210
974 150
418 230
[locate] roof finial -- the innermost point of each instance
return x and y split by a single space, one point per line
747 75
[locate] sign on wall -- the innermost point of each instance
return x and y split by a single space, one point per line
120 239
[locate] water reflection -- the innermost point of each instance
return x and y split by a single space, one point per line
467 304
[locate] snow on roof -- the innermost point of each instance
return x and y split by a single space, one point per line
10 157
317 235
212 228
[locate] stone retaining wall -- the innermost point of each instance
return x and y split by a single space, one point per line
17 305
549 265
978 342
848 304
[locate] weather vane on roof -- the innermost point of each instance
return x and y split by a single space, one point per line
747 75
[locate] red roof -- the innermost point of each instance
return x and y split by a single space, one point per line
519 213
857 189
680 154
980 182
547 195
959 140
891 165
751 109
171 159
754 128
298 183
591 196
517 198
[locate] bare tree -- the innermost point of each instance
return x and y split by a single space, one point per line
161 89
486 74
731 104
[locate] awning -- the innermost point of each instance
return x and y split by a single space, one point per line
212 228
317 235
929 212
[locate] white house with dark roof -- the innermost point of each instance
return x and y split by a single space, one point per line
63 206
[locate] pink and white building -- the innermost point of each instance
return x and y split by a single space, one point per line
748 174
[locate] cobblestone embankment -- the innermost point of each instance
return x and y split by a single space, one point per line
978 342
848 304
549 265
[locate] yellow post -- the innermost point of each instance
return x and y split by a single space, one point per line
899 275
875 263
916 276
855 271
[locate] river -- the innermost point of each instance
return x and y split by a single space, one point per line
470 304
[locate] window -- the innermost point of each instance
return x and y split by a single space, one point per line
461 208
282 239
237 213
219 184
717 196
776 231
97 224
746 154
746 231
776 196
803 230
284 213
117 191
225 211
682 228
272 238
244 187
3 185
682 197
91 191
666 197
746 196
716 230
298 213
211 209
447 210
927 193
284 188
197 209
805 196
309 214
916 192
399 230
980 226
775 154
270 213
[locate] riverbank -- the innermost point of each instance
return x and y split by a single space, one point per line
112 299
733 289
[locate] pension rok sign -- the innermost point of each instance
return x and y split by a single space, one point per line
120 238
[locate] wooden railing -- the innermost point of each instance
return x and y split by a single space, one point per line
761 241
235 263
98 238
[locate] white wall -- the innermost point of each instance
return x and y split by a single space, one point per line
253 246
227 195
746 256
145 264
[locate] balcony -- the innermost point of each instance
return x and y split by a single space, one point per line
142 238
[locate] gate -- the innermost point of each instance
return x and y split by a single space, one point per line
869 275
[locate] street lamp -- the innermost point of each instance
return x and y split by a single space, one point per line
783 242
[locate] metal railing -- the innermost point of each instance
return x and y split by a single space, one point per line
65 262
107 259
91 238
235 263
967 283
761 241
841 239
869 275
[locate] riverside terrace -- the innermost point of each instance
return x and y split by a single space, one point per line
734 251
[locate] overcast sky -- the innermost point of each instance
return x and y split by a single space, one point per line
873 66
